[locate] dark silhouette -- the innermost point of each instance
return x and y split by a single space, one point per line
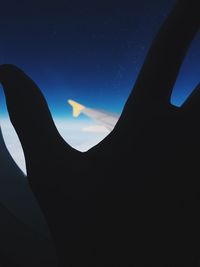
16 195
134 198
21 245
24 235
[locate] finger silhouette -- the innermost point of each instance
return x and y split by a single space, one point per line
160 69
192 102
29 114
190 110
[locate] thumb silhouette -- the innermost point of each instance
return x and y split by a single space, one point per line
25 238
28 112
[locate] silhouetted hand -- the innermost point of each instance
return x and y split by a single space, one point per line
133 198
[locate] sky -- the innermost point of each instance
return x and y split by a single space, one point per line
89 51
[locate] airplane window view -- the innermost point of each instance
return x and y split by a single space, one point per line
99 111
93 60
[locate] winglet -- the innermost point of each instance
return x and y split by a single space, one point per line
77 108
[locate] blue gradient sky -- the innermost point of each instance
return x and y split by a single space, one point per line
89 51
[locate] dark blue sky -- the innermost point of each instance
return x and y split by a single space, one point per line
90 51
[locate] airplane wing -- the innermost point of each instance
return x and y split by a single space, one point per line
106 119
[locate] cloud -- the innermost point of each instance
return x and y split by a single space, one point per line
96 129
80 135
13 144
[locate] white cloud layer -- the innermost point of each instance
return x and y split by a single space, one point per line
80 135
96 129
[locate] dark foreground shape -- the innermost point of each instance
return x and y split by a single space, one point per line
16 195
21 246
134 198
24 236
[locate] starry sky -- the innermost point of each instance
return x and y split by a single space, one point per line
89 51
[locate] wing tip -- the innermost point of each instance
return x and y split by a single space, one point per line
76 107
